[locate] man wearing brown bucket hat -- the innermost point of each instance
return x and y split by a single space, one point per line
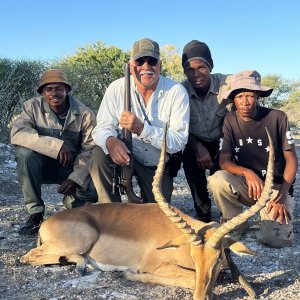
244 156
156 101
53 144
207 114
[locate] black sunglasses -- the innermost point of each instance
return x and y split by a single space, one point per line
152 61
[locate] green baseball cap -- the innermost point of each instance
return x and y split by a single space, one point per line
145 47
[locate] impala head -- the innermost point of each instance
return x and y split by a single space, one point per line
207 265
208 246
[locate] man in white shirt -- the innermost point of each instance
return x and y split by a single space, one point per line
156 101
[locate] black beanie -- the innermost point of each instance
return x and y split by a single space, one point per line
197 50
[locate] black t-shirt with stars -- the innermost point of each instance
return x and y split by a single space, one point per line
247 141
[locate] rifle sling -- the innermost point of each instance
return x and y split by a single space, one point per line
142 109
148 121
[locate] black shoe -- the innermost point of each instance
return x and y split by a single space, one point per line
32 225
204 217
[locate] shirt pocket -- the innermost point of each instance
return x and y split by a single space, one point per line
221 112
195 123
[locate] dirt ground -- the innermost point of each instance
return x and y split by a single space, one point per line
274 273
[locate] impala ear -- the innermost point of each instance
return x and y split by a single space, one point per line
237 247
177 242
207 230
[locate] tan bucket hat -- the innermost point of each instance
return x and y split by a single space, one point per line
248 79
53 76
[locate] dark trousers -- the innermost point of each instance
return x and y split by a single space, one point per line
35 169
196 177
102 173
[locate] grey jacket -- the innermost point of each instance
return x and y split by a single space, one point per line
38 128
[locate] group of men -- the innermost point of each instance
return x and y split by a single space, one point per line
214 119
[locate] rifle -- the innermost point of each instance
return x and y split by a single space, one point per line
123 181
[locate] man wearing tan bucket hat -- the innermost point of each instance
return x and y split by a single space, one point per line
53 144
244 156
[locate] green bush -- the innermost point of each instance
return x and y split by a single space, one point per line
91 70
18 82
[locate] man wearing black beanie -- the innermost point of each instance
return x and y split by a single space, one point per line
206 118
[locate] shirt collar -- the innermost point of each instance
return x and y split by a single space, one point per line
213 87
160 88
159 91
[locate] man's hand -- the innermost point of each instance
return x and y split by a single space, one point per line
118 151
68 187
130 121
203 158
255 184
65 155
280 211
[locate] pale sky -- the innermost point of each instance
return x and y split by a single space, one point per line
242 34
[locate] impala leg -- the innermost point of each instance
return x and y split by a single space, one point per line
38 256
171 275
80 261
44 256
36 259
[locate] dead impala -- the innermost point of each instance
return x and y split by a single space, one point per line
151 243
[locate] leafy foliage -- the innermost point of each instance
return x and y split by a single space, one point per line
171 63
92 69
294 96
285 96
291 105
18 82
281 89
292 109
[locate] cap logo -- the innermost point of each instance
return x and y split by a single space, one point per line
146 45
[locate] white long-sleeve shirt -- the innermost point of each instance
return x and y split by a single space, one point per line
169 104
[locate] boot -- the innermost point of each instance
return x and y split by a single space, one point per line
32 225
204 217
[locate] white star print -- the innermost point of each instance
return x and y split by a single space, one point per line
237 149
267 149
249 140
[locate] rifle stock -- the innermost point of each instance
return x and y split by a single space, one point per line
127 171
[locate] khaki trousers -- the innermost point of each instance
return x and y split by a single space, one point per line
230 193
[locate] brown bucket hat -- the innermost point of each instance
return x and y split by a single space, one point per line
53 76
248 80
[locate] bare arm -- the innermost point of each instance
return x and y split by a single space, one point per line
118 151
65 155
278 205
203 158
